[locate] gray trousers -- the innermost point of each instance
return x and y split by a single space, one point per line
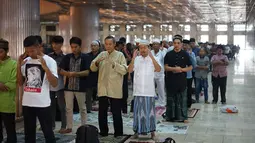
58 97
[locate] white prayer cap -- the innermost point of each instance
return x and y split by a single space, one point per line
144 42
165 39
138 40
95 43
156 41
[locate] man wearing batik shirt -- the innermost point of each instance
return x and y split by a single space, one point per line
75 67
144 67
37 72
57 93
177 64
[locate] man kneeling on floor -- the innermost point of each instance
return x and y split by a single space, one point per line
144 67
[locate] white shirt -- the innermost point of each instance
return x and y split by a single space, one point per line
160 56
170 48
37 86
144 77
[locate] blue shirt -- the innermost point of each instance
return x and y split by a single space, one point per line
195 51
193 62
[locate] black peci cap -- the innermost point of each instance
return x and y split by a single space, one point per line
185 41
4 44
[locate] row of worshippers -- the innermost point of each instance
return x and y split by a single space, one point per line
57 76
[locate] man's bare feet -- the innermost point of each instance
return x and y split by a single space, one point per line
153 136
185 121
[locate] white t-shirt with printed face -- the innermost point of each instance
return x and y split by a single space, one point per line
37 86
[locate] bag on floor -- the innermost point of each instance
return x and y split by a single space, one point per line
169 140
229 109
87 134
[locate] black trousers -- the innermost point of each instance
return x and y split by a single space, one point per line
219 82
9 123
45 119
90 97
115 105
125 93
189 92
58 99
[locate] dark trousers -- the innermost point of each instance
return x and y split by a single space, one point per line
125 93
58 98
9 123
90 97
45 119
115 105
189 92
219 82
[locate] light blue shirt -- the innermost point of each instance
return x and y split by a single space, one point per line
193 62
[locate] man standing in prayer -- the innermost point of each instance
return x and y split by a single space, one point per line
177 64
112 66
93 77
57 93
144 67
159 76
75 66
8 69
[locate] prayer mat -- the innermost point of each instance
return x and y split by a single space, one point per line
192 113
160 110
171 129
111 139
60 138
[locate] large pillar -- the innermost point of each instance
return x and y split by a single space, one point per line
84 20
64 31
230 34
19 19
213 33
193 31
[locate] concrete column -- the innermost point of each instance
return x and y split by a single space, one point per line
84 23
139 31
64 31
212 31
175 28
19 19
157 30
193 31
230 34
122 30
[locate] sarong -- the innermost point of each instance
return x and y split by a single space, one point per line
176 106
144 115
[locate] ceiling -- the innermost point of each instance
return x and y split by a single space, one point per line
154 11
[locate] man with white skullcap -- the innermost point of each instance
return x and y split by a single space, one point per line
144 67
159 76
93 76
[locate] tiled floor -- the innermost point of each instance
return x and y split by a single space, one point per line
212 126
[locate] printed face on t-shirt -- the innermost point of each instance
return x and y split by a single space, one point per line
34 78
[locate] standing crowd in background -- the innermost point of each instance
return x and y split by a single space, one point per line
162 74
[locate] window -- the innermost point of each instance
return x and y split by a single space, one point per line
147 27
187 37
204 28
114 28
204 38
165 27
222 27
239 27
144 37
170 37
222 39
187 28
131 27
